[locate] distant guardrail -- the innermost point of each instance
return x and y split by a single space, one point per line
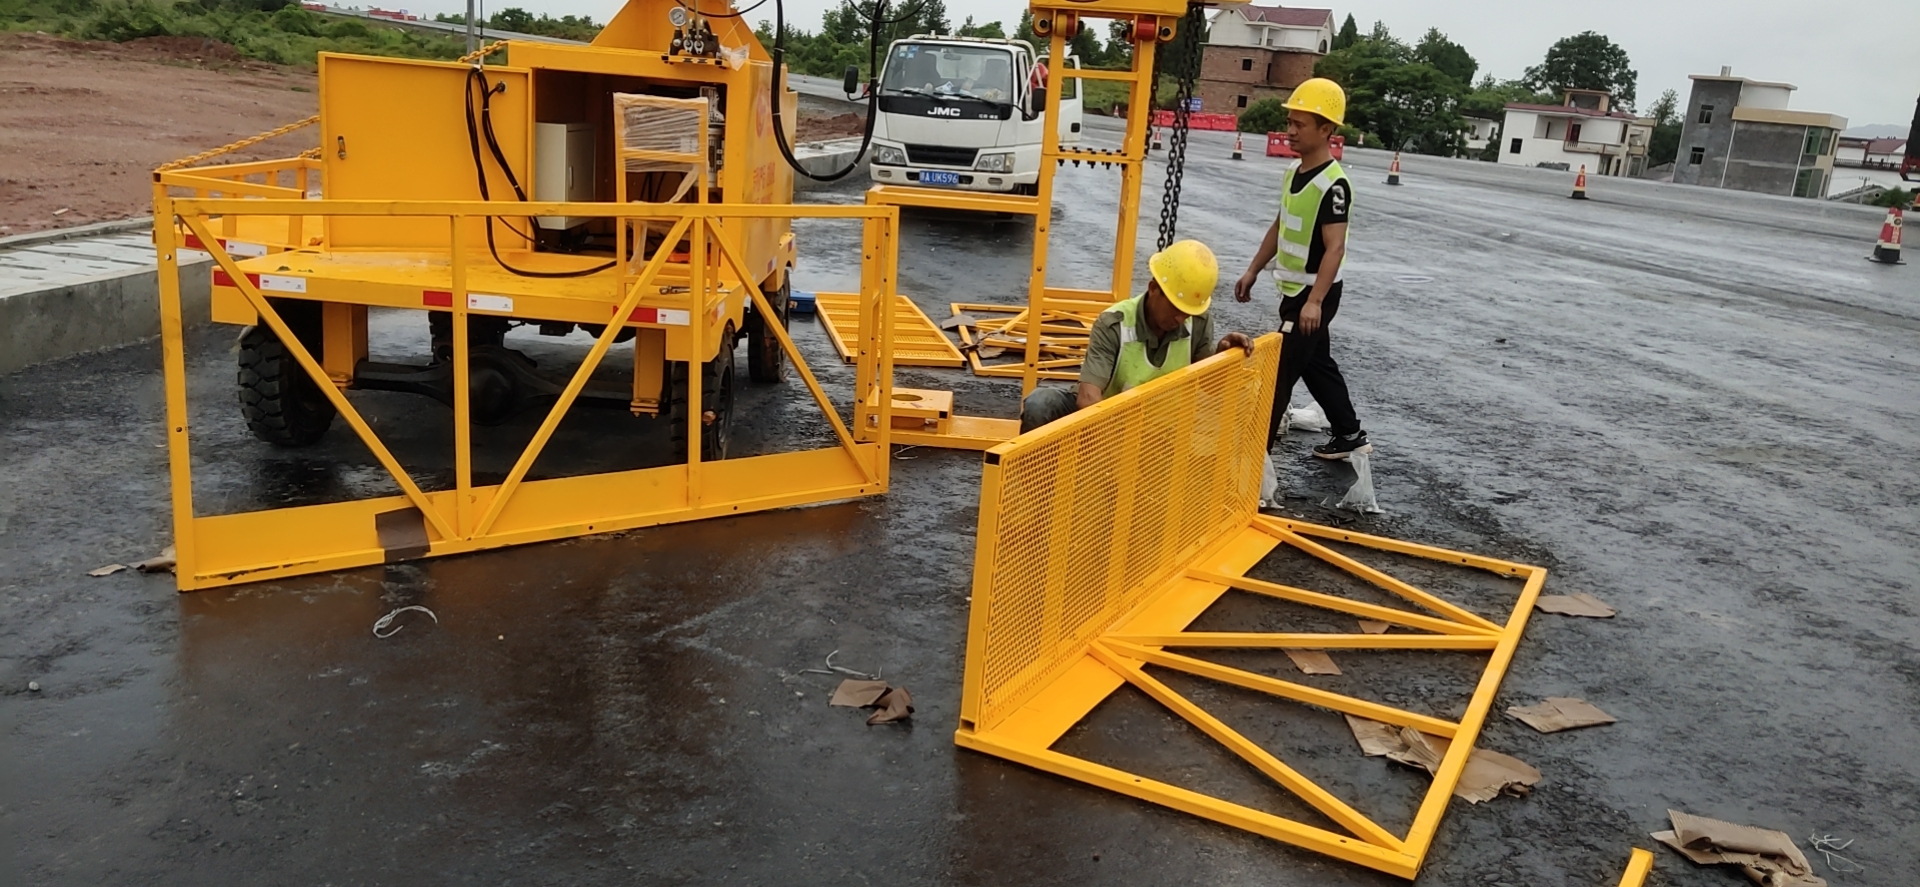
402 19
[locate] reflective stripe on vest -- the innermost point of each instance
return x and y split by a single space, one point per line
1131 368
1298 216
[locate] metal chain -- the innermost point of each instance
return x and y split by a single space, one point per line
247 142
1177 139
480 53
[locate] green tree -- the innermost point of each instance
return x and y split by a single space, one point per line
1664 146
1023 30
1086 46
990 30
1265 115
1448 57
1587 60
513 18
1348 35
1412 106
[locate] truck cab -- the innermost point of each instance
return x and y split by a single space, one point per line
966 113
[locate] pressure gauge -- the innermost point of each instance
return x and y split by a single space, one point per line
677 16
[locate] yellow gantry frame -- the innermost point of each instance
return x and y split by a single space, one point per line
1104 535
226 549
1047 304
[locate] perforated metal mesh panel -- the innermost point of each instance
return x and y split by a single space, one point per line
1081 519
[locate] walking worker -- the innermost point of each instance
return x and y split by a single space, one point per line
1145 337
1307 246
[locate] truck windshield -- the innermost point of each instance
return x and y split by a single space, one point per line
946 70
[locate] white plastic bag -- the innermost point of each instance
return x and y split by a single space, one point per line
1360 496
1308 418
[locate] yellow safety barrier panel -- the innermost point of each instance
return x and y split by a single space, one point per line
916 341
1103 536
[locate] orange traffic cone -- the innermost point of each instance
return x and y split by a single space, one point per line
1887 251
1580 184
1236 147
1156 140
1393 172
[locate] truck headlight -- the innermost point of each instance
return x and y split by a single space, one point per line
888 155
994 163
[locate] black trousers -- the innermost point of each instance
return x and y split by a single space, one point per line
1309 358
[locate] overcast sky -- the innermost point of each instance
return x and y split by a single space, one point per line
1861 65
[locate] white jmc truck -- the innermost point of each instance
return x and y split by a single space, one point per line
966 113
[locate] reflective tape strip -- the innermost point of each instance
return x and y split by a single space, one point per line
1294 223
1295 249
1285 276
245 250
485 302
275 282
436 299
662 316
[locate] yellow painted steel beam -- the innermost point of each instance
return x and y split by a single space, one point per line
1386 714
311 366
1446 608
1238 816
1339 604
1290 779
1426 820
1639 865
193 206
1310 641
579 381
1491 564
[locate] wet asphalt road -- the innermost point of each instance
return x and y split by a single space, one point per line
1699 407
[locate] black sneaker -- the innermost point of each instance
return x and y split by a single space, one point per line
1342 447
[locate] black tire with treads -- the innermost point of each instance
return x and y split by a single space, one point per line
716 394
766 360
281 403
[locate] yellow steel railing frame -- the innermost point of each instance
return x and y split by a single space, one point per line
1103 536
226 549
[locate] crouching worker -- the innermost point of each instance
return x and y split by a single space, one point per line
1145 337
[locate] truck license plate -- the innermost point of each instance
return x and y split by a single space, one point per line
934 177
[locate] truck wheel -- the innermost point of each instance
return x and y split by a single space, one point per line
766 360
716 397
281 403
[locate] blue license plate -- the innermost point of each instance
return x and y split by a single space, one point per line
934 177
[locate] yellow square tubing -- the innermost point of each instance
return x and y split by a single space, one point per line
1058 624
1639 865
470 518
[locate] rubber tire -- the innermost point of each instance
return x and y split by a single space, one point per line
281 403
716 394
766 360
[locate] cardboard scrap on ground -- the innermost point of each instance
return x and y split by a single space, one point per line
1313 661
1371 627
160 563
1559 713
1767 857
857 694
107 570
1487 774
959 320
1581 604
894 705
890 703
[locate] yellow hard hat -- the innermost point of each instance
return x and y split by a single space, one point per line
1320 96
1187 273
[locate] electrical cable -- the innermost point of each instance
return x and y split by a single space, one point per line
695 9
779 54
484 124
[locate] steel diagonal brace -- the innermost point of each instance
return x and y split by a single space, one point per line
1334 808
295 347
1340 604
1285 689
793 352
579 380
1450 610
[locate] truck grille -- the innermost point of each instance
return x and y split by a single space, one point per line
940 155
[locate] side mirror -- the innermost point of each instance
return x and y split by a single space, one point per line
850 83
1040 100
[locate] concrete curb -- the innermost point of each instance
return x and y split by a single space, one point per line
56 235
822 158
109 311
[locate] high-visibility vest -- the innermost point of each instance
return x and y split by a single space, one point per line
1131 368
1299 217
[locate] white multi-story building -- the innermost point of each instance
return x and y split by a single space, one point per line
1582 131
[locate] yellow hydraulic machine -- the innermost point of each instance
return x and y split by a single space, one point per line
1056 319
633 189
